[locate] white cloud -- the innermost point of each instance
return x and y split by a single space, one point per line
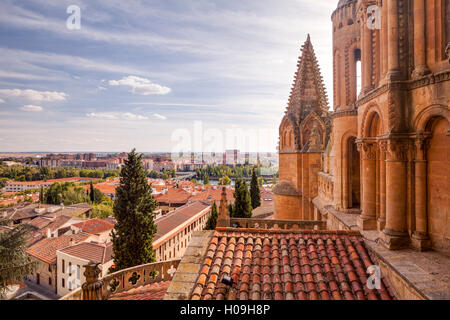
159 116
140 86
34 95
116 116
2 101
30 107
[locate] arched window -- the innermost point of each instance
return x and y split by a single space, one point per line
358 71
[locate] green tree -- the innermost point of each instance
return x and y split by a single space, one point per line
212 220
102 210
41 195
206 179
242 204
91 193
15 263
255 192
225 180
133 233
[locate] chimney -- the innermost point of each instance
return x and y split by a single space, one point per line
224 217
72 242
49 233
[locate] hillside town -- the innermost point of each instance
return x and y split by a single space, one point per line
354 204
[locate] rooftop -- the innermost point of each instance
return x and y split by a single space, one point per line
97 252
94 226
174 219
45 249
277 265
152 291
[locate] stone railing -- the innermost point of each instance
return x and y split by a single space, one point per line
125 280
277 224
325 186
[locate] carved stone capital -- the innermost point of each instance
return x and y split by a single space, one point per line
397 150
367 150
421 145
382 145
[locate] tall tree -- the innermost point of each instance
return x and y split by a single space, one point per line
243 203
15 263
205 179
91 193
133 233
41 195
255 193
212 220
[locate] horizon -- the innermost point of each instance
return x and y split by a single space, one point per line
120 82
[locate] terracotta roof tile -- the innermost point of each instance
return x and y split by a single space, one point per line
279 264
153 291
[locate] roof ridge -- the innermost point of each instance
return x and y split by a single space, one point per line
311 231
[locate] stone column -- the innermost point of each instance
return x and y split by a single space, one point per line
393 33
366 55
381 223
395 233
420 65
368 220
420 238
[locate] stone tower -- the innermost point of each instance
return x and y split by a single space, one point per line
304 132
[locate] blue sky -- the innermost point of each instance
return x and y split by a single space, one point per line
139 72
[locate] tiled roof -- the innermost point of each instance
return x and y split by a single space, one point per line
153 291
211 194
94 226
173 195
177 217
97 252
40 222
45 249
278 265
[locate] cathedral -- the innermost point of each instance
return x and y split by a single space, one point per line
381 154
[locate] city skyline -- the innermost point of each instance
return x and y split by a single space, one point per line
121 82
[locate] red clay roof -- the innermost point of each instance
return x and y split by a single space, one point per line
45 249
94 226
173 195
211 194
153 291
287 265
97 252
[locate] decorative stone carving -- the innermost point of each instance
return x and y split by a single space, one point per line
447 51
394 111
315 139
397 150
367 150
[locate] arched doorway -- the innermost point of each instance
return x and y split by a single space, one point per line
353 172
438 184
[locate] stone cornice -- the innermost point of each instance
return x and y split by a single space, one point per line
405 85
344 113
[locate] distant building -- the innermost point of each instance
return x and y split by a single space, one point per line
175 229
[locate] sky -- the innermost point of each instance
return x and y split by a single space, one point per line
197 75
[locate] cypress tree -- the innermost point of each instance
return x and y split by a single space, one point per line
206 179
15 263
243 203
212 220
41 195
91 193
255 193
133 233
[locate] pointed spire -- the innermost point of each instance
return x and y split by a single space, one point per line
224 217
308 89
